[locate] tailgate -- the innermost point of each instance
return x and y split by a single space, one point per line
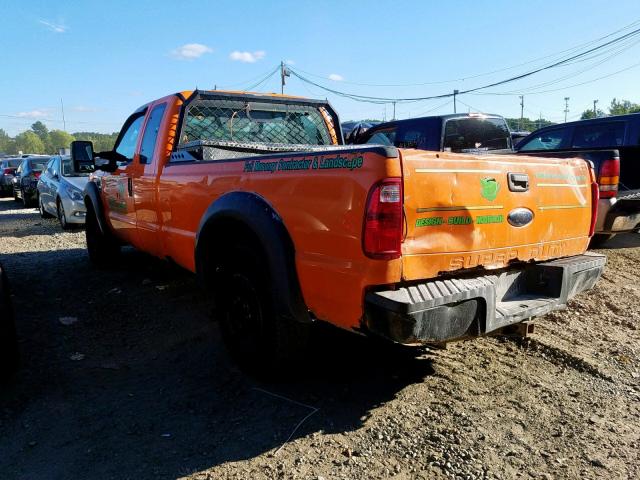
467 211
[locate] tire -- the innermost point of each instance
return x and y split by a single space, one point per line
62 216
261 341
9 355
15 195
26 201
103 249
43 212
599 239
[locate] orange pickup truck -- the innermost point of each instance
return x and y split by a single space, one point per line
285 225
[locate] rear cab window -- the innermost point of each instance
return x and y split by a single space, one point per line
555 139
476 134
599 135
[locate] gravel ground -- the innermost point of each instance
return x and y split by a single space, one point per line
125 376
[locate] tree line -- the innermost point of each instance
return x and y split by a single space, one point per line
617 107
39 139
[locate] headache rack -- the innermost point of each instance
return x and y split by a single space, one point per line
217 125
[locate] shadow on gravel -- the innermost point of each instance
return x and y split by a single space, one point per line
622 240
138 384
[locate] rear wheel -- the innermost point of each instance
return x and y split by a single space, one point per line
43 212
62 216
102 248
26 201
258 338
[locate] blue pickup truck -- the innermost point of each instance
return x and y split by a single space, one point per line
612 144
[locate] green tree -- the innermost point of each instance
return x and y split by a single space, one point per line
527 124
102 142
622 107
29 142
58 139
5 140
587 114
41 130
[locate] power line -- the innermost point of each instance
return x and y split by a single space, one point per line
470 77
564 61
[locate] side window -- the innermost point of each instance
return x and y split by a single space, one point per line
383 137
128 141
410 139
600 135
151 133
50 167
547 140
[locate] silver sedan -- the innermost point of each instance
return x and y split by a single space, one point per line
60 192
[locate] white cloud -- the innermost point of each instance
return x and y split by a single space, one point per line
247 57
335 77
33 114
56 27
84 109
190 51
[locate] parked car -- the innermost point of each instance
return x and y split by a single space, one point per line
612 144
460 133
60 192
285 225
8 168
25 181
9 357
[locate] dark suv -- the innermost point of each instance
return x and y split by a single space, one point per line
612 144
462 133
8 168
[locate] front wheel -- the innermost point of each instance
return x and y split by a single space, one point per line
102 248
62 216
257 337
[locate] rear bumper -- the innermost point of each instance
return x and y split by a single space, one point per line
621 214
445 310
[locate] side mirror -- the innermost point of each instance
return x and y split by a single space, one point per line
82 156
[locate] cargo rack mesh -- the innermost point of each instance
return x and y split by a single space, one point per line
219 118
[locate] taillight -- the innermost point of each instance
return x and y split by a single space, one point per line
8 171
382 233
36 174
609 178
595 196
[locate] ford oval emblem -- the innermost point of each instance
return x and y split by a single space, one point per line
519 217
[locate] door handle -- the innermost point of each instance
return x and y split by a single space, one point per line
518 182
130 186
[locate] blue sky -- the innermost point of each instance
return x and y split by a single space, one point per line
104 59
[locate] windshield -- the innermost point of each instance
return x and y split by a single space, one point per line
255 122
13 163
68 171
476 134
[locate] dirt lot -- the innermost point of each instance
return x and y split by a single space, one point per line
125 377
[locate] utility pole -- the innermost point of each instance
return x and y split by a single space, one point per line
566 108
521 111
64 123
455 92
595 111
540 121
284 72
394 110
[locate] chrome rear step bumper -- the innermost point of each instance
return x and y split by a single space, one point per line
445 310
